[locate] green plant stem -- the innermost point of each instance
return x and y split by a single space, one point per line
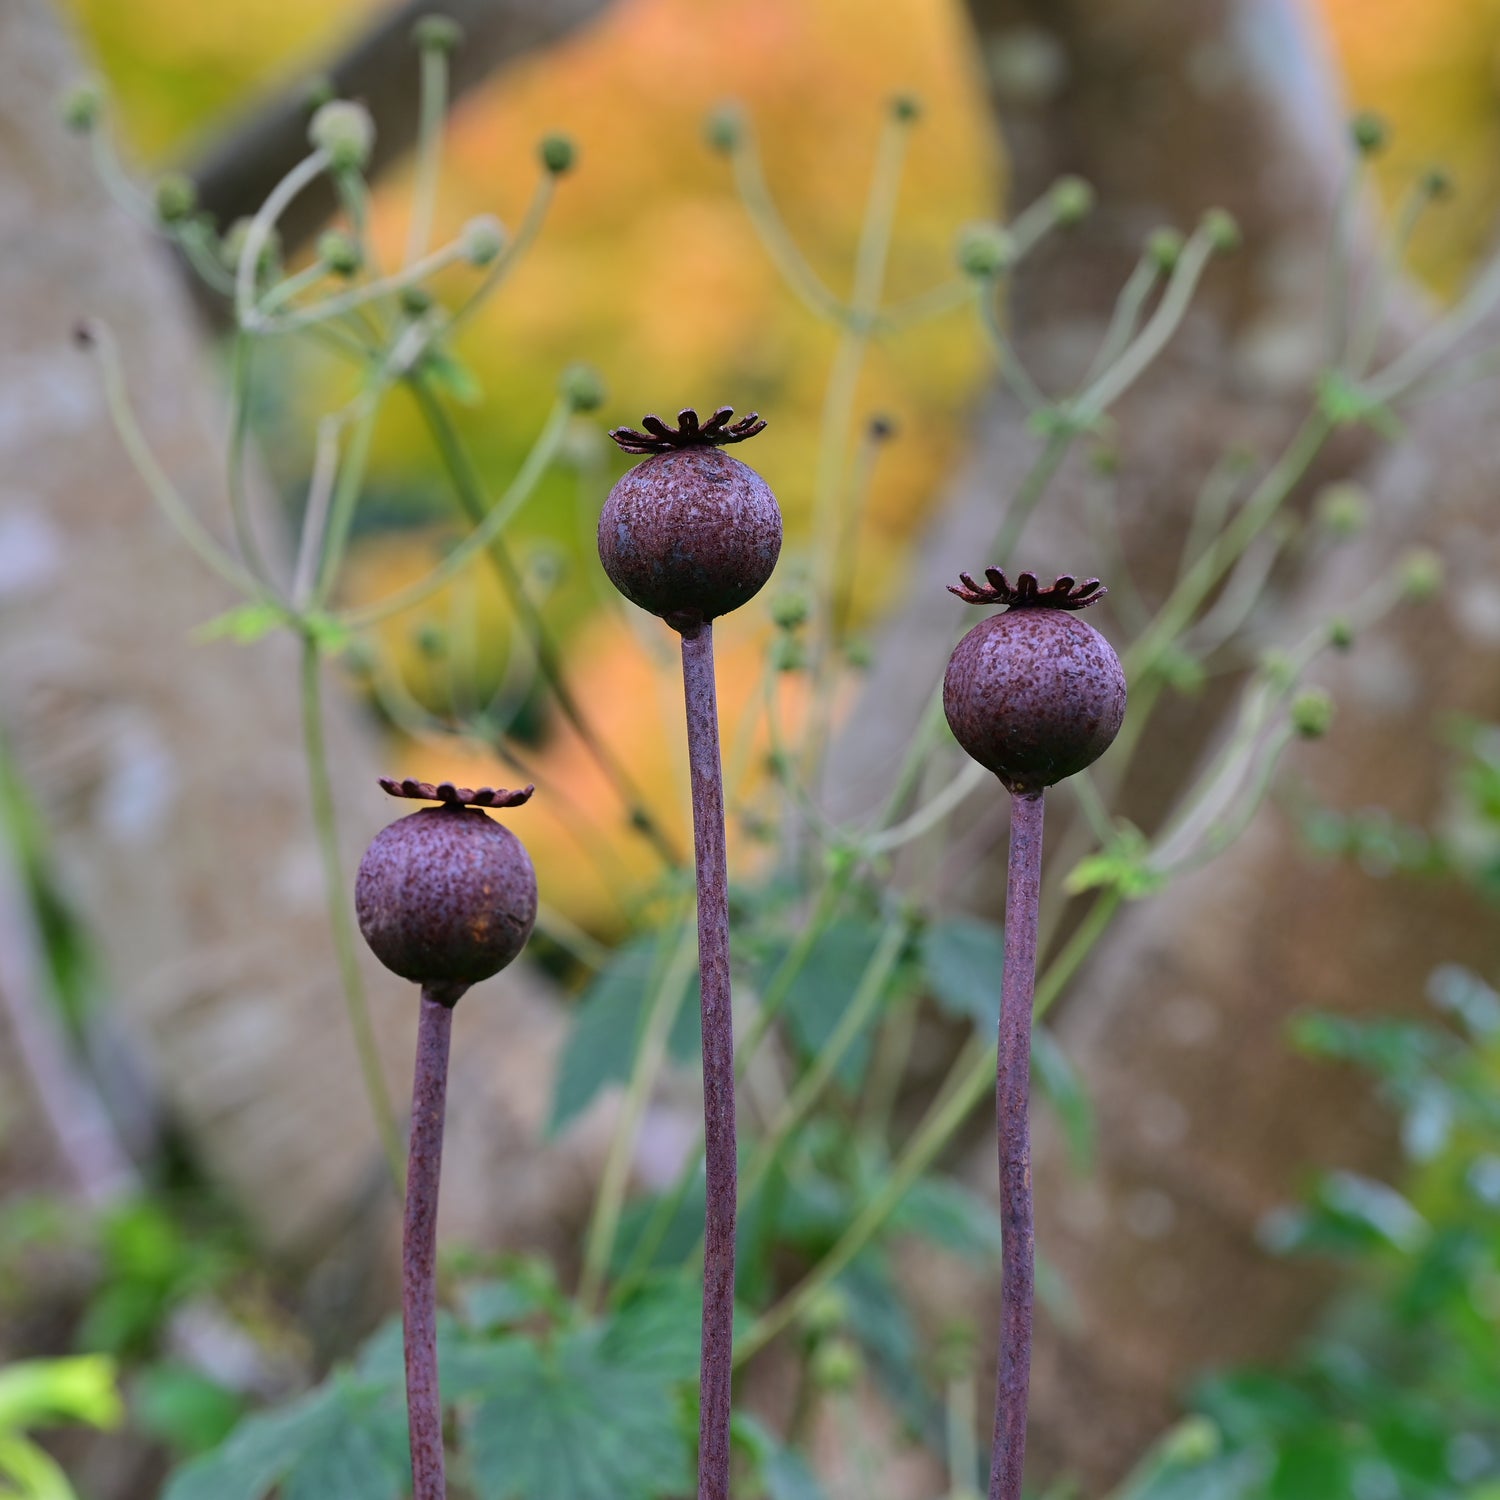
471 497
531 226
239 501
1371 316
261 227
868 994
650 1057
1188 594
1012 371
163 492
970 1079
431 112
356 1003
334 542
1125 321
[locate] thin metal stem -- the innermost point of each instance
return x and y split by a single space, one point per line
1012 1098
717 1365
424 1167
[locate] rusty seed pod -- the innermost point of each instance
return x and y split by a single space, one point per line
690 533
447 896
1034 694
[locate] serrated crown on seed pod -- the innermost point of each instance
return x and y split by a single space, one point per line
447 896
690 533
1033 694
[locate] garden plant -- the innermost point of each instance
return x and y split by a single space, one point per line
847 937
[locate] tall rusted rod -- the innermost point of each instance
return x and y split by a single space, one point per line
429 1100
706 773
1012 1096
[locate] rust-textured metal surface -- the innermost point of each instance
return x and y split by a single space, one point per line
1013 1132
424 1165
1026 593
1034 694
689 433
720 1167
458 796
446 895
690 533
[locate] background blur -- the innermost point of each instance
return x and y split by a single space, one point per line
159 853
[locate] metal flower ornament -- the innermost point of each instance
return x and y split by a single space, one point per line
689 534
1035 695
445 897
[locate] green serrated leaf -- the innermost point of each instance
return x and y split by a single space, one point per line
949 1214
1123 864
565 1423
820 994
1060 1086
962 959
244 624
606 1029
342 1441
659 1331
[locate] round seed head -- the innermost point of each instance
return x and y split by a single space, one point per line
446 896
558 154
482 240
176 197
690 533
1035 694
985 250
82 106
346 131
340 252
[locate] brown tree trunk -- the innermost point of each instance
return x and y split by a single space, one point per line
169 773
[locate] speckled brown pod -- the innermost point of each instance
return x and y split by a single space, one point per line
1035 694
690 533
446 896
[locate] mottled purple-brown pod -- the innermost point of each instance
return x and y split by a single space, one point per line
689 533
446 896
1034 694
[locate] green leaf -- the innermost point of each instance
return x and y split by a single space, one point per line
606 1028
1123 864
568 1423
1059 1085
56 1392
29 1473
962 959
244 624
784 1473
820 994
343 1441
659 1331
950 1215
183 1408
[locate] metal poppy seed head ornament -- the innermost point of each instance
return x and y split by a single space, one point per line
447 896
1033 694
690 533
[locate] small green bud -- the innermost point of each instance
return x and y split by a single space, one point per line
906 108
1278 669
724 130
339 252
582 386
1436 183
1340 633
1163 248
1195 1440
787 654
1343 509
415 300
437 33
82 106
985 250
557 153
1072 200
858 653
176 197
1223 230
788 611
1312 713
318 91
346 132
1369 132
883 427
1421 575
1104 458
826 1313
430 640
836 1365
482 240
